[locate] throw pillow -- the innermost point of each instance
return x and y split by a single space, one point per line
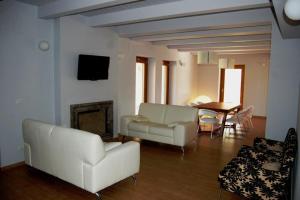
140 118
275 147
171 125
273 166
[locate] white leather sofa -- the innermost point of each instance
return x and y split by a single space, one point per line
78 157
170 124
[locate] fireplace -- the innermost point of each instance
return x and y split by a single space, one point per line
96 117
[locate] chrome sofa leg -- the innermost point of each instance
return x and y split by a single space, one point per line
123 138
182 149
98 196
134 179
220 193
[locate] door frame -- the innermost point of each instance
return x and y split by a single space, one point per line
167 64
222 81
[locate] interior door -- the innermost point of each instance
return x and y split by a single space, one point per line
232 84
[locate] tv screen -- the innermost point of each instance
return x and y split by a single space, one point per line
92 67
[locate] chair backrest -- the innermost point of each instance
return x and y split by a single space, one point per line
250 110
60 151
206 112
244 113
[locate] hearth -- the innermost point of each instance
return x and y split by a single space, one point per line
96 117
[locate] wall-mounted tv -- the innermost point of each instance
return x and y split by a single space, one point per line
91 67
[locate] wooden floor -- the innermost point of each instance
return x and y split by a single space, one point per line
165 174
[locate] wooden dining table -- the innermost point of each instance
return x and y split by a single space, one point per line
222 107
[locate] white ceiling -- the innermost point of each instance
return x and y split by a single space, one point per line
37 2
235 26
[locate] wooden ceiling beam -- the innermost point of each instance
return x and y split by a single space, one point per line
174 9
61 8
222 39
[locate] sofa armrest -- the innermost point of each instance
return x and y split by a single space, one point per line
268 144
184 132
110 145
119 163
259 157
125 120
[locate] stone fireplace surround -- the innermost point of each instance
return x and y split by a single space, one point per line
95 117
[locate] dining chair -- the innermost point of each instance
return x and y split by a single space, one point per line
208 117
242 118
238 118
250 111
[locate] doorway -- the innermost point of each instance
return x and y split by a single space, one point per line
141 80
232 84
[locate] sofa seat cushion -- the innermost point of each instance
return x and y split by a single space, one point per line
161 130
139 126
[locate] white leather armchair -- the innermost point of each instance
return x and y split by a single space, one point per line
78 157
170 124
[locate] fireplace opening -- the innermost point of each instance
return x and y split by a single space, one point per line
96 117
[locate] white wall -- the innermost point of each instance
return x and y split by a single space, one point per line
151 80
26 83
284 79
74 38
256 80
208 81
184 79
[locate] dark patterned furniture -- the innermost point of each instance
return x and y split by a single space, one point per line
262 171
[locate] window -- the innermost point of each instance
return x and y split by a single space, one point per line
141 76
165 82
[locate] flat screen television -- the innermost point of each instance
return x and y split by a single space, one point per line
91 67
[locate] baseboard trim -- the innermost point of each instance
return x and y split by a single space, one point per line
260 117
12 166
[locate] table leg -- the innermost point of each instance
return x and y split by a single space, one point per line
199 127
223 123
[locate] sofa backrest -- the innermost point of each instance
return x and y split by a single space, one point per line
290 150
165 114
154 112
180 114
60 151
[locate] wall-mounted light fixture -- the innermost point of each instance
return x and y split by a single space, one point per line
44 45
292 9
180 62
